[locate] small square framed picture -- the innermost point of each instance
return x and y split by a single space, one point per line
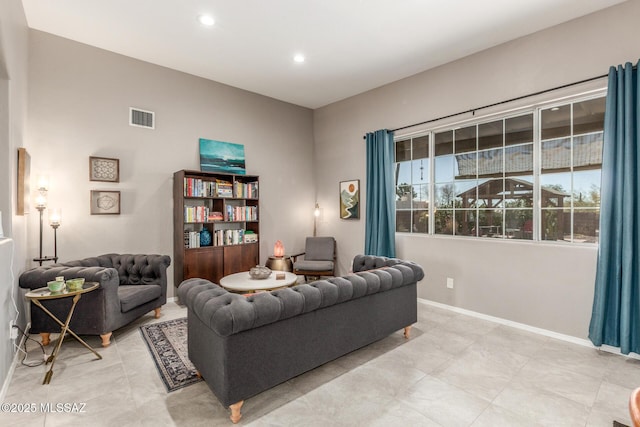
105 202
104 169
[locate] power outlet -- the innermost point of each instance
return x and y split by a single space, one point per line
450 282
13 332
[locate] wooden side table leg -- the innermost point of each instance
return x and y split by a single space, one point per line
46 338
235 411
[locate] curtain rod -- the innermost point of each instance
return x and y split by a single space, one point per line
473 110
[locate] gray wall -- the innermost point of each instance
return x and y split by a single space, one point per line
13 106
79 101
543 285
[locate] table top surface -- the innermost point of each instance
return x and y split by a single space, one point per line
45 293
243 282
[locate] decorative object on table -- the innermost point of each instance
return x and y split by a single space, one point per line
75 284
259 272
350 199
104 169
280 263
41 205
205 237
40 295
280 276
218 156
278 249
24 170
167 343
316 215
105 202
55 286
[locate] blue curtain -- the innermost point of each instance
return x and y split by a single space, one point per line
615 319
380 226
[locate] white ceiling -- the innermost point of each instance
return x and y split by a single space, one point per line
351 46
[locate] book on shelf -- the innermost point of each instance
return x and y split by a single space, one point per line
191 239
215 216
196 213
224 188
228 237
242 213
246 190
196 187
250 237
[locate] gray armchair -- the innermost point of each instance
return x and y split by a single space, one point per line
319 258
130 286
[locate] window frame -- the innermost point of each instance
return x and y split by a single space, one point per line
536 110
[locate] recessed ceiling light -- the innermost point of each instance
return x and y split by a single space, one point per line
298 58
206 20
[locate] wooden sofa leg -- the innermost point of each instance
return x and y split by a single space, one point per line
235 411
407 332
46 338
106 339
157 311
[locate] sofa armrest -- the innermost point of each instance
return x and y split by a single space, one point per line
38 277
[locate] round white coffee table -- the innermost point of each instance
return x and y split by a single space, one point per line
242 282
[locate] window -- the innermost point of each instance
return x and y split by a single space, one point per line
484 178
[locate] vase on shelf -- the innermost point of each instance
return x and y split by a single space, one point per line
205 237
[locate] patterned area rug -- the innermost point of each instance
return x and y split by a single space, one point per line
167 342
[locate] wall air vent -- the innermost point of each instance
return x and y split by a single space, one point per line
141 118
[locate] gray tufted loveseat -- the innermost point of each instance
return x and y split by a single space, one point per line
244 345
130 286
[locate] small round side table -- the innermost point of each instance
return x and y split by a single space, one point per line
280 263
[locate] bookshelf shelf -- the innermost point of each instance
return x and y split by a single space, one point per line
216 202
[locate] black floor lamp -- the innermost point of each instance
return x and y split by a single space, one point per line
41 205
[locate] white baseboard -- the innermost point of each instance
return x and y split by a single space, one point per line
528 328
7 380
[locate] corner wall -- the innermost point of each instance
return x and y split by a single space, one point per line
79 103
543 285
13 118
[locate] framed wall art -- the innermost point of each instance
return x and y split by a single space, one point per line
350 199
105 202
104 169
219 156
24 188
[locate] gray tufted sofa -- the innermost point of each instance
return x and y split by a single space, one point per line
130 286
244 345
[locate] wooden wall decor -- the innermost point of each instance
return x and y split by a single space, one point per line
24 167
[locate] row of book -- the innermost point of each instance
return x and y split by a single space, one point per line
242 213
248 190
191 239
234 213
196 187
232 237
196 214
220 238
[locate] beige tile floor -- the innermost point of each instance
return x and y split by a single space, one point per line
456 370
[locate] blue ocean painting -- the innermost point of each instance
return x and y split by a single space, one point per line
218 156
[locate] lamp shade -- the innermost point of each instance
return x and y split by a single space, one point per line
55 217
41 200
278 249
42 183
